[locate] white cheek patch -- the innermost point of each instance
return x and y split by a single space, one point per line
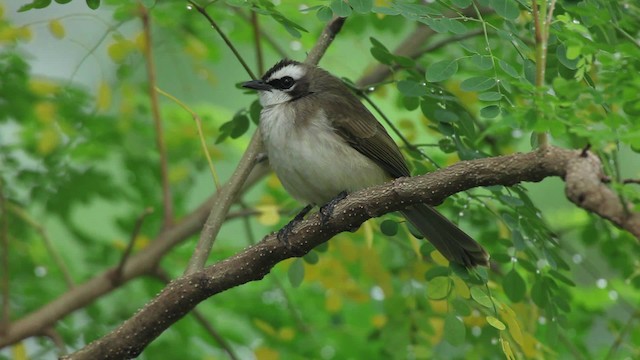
293 70
273 97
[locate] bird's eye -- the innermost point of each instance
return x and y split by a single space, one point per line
282 83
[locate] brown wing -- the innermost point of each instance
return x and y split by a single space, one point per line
363 132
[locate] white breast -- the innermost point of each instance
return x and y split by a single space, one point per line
313 163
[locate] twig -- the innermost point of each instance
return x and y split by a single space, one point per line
141 263
167 202
226 197
163 276
257 43
625 330
412 47
295 315
329 32
134 234
203 142
224 37
5 317
60 263
263 34
57 340
541 27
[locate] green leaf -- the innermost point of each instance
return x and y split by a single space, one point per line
454 330
441 70
311 257
478 83
361 6
573 51
540 293
482 62
556 274
35 4
63 1
460 307
496 323
481 297
296 272
508 9
508 69
511 200
389 227
561 54
490 111
254 111
439 288
461 3
340 8
324 13
514 286
412 88
436 271
240 126
93 4
490 96
527 265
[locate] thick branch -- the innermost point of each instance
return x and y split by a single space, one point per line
183 294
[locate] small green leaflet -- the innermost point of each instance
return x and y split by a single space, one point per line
296 272
478 83
508 9
93 4
514 286
361 6
495 323
340 8
442 70
439 288
389 227
481 297
412 88
454 330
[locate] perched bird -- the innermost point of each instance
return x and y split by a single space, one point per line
322 141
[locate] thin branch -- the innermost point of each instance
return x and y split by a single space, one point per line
263 34
141 263
57 340
203 143
163 276
227 196
329 32
134 234
295 314
167 201
255 262
413 47
541 25
5 316
625 330
257 43
224 37
51 249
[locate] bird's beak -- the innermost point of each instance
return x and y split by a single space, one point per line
256 85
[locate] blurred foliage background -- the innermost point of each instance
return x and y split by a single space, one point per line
79 164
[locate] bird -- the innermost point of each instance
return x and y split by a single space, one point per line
322 142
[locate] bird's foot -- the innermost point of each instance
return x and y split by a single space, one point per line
326 210
283 234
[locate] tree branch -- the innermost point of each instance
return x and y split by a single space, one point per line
252 264
167 201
